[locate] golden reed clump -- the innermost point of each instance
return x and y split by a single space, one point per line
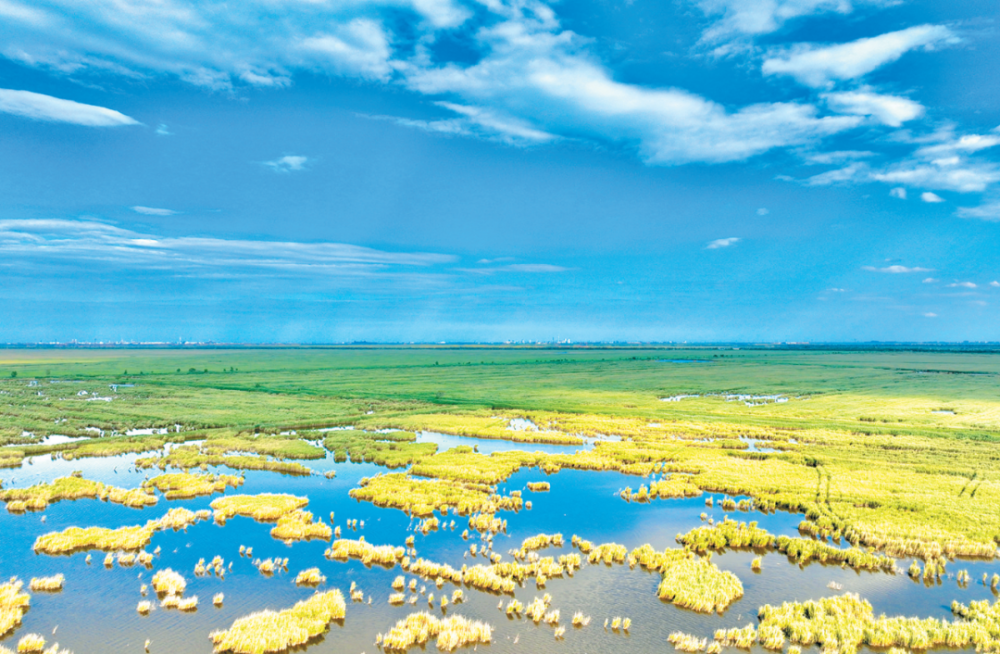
48 584
277 631
451 633
13 605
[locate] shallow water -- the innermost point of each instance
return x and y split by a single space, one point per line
96 611
488 446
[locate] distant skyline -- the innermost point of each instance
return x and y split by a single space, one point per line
494 170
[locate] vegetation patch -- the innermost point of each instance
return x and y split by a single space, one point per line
75 539
184 485
730 534
277 631
266 507
40 496
394 449
451 633
13 605
299 525
421 497
187 457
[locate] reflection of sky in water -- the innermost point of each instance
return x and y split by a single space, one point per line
96 613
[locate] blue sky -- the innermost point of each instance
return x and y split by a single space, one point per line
427 170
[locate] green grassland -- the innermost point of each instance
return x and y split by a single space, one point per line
858 446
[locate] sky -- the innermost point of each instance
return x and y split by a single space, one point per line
319 171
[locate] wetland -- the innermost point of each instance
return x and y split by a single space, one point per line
523 499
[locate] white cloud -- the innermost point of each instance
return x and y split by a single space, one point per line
889 110
535 81
89 241
930 280
722 243
480 122
163 130
532 268
360 47
849 173
987 211
255 43
962 285
287 163
898 192
153 211
45 107
895 270
956 175
543 74
837 290
836 156
820 65
995 284
755 17
763 211
933 198
930 315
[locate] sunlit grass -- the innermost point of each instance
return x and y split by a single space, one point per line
276 631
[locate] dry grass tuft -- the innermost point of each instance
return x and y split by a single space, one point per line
13 605
47 584
266 507
310 577
276 631
451 633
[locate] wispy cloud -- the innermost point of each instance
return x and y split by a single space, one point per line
45 107
722 243
930 314
931 280
517 268
895 270
89 241
163 130
741 18
763 211
153 211
898 192
987 211
891 110
995 284
288 163
932 198
821 65
962 285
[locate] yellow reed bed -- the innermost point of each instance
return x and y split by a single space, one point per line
169 582
421 497
741 535
13 605
299 525
687 580
134 538
608 553
451 633
276 631
184 485
310 577
697 584
540 541
385 555
538 486
845 623
47 584
40 496
266 507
